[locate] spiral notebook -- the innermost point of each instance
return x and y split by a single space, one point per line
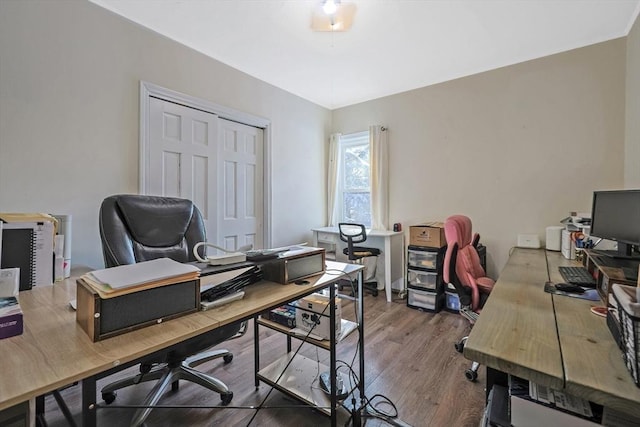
29 247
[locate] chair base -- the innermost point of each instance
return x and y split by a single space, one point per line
472 373
169 375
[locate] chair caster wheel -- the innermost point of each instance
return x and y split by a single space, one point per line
459 347
226 397
109 397
227 358
471 375
374 293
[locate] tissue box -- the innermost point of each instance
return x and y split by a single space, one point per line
10 317
10 311
313 314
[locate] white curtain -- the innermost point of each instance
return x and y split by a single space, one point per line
379 156
332 180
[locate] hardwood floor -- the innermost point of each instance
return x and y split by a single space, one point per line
410 360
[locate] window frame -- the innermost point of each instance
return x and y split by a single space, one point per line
348 141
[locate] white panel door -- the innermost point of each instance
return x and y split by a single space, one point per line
240 178
215 162
182 156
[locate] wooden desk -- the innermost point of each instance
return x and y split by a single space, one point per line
550 339
391 243
54 351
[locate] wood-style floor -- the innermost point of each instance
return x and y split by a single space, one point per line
410 362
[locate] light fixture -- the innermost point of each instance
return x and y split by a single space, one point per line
330 6
332 15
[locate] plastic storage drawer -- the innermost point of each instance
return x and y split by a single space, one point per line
424 300
430 280
425 258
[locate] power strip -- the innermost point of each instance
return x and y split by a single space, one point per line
229 258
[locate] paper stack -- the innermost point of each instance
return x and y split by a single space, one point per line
115 281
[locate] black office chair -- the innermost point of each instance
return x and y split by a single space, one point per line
354 234
136 228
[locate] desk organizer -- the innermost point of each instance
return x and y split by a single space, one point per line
294 265
628 312
102 318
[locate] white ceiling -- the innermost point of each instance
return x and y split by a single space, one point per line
393 45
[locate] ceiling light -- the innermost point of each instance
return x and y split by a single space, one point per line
330 7
340 20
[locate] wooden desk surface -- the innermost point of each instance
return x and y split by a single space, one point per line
54 351
516 331
259 298
593 364
520 337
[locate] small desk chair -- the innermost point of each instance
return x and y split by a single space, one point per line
353 234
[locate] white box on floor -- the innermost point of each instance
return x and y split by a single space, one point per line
313 314
526 413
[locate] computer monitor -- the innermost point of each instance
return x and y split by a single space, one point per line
615 215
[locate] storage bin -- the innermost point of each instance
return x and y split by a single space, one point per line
430 280
452 301
628 311
424 300
425 258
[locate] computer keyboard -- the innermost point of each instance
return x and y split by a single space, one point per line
577 276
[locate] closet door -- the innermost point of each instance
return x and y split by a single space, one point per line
240 179
217 163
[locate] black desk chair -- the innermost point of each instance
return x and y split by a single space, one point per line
353 234
136 228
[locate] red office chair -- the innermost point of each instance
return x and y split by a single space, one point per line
462 268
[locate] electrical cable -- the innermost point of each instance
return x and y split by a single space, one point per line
370 410
303 340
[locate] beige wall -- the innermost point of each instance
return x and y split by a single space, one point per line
69 76
632 124
516 148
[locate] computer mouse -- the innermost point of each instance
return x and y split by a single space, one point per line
568 287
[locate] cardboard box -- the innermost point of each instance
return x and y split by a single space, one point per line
430 235
313 314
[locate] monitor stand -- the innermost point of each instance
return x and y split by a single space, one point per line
624 251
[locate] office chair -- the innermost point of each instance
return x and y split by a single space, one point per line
356 233
462 268
136 228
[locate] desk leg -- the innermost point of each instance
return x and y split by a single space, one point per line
256 353
40 420
360 308
387 267
89 402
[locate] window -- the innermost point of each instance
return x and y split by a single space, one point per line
354 188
